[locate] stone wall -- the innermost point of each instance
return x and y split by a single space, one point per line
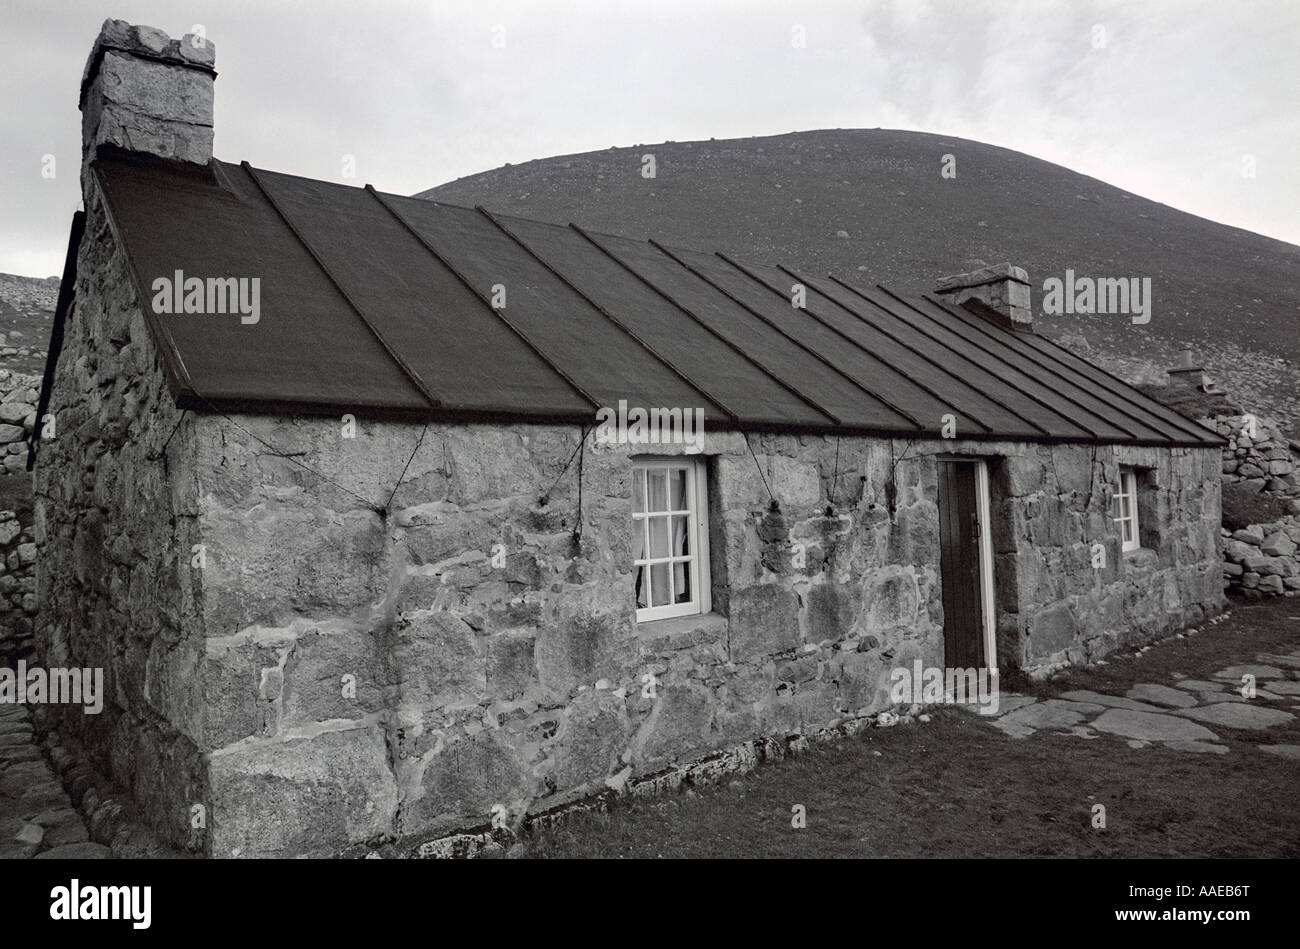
1263 462
18 392
372 674
17 588
1054 606
17 551
1261 560
112 517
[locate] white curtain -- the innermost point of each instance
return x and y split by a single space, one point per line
680 570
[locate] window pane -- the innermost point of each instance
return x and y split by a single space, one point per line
682 582
677 489
638 490
658 537
642 599
680 538
661 594
1125 506
638 540
658 489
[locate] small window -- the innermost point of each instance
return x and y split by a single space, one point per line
1124 509
670 537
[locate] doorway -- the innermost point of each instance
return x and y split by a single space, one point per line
966 564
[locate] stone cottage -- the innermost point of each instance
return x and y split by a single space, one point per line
386 518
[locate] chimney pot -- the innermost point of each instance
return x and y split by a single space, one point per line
145 92
1002 291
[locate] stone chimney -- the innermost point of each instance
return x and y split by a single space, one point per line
1187 375
146 92
1001 292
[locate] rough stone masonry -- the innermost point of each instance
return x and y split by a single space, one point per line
293 668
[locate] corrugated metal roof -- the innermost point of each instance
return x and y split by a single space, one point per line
382 304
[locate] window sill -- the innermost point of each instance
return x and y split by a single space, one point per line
708 625
1141 556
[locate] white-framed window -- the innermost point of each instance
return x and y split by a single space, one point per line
670 536
1124 508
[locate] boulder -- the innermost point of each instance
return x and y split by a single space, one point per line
1271 585
15 412
1278 544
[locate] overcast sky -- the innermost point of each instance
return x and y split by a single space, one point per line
1174 100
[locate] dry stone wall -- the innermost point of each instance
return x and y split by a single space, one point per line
18 393
18 604
1263 462
1261 560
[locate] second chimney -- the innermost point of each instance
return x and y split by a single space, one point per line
146 92
1187 374
1002 291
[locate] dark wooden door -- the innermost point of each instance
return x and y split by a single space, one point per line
959 565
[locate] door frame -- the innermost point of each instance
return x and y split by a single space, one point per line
983 509
983 506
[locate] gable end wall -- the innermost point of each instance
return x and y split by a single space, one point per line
113 528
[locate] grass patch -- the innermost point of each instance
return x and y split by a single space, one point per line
956 787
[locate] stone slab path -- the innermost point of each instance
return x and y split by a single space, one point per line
37 818
1187 716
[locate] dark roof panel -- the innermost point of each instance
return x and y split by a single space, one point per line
573 335
1060 394
976 412
436 324
307 347
726 374
384 304
837 397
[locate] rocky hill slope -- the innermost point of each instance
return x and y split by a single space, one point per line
26 315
